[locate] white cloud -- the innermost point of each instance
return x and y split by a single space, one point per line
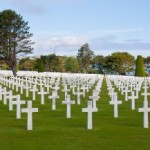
123 39
69 45
63 45
111 44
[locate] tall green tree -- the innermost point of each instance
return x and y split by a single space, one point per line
53 63
39 66
27 64
71 64
59 63
50 63
121 62
84 57
99 61
139 71
15 38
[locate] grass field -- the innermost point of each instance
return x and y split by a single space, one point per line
53 131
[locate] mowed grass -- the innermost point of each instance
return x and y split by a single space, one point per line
53 131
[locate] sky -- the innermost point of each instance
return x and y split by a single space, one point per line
63 26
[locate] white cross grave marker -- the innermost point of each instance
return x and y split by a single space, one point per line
94 98
145 94
145 110
78 93
33 90
2 92
29 110
9 97
65 90
27 89
42 93
18 104
89 111
132 97
126 91
115 102
53 97
68 102
5 95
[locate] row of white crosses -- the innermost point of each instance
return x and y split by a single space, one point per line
25 83
145 108
77 86
124 88
92 104
16 100
120 83
135 85
114 98
96 91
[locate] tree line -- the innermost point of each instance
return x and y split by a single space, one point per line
84 62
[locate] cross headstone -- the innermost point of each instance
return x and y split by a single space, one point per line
42 93
2 92
145 110
89 111
94 98
9 97
137 89
73 88
115 102
132 97
21 88
5 95
54 96
17 85
126 91
78 93
27 89
145 94
68 102
34 90
84 89
29 110
18 104
65 90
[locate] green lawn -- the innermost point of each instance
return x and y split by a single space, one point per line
52 131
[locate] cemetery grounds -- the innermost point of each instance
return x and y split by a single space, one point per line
53 131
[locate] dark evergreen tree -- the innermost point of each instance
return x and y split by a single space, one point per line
139 71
